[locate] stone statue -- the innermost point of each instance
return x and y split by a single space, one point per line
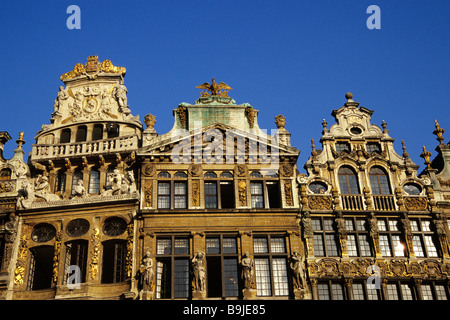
297 268
62 95
121 97
79 190
247 265
145 275
42 189
199 270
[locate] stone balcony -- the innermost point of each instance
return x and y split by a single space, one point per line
85 148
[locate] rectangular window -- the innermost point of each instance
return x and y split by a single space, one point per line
211 195
256 189
384 246
163 195
222 266
271 269
172 267
180 195
392 291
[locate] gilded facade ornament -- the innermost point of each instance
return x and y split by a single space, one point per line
19 272
195 193
215 89
129 255
439 132
148 193
426 156
289 199
415 203
95 254
319 202
56 255
242 191
93 66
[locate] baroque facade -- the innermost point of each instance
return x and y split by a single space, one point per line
216 208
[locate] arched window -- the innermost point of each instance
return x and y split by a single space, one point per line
5 174
77 176
379 181
94 181
348 181
97 132
81 134
65 136
76 255
41 267
114 261
60 182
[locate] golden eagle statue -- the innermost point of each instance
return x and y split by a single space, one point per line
220 89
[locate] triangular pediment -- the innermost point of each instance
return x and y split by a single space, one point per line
217 139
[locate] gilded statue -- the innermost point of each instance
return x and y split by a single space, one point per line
220 89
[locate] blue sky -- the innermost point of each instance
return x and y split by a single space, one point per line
295 57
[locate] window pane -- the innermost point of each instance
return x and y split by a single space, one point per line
180 200
358 291
318 245
181 246
406 292
260 245
426 225
210 195
364 244
328 224
361 224
181 278
94 182
256 189
393 225
349 225
338 293
351 245
164 246
392 291
316 224
381 225
384 246
229 245
280 279
414 225
332 250
163 278
277 245
212 245
262 272
324 291
426 292
399 248
164 195
230 273
418 247
431 248
440 292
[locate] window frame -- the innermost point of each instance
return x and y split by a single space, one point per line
270 256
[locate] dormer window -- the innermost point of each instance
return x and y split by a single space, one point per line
342 146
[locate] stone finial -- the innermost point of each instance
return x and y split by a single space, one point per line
439 132
324 125
426 156
20 141
384 126
280 121
313 147
150 120
349 97
405 154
